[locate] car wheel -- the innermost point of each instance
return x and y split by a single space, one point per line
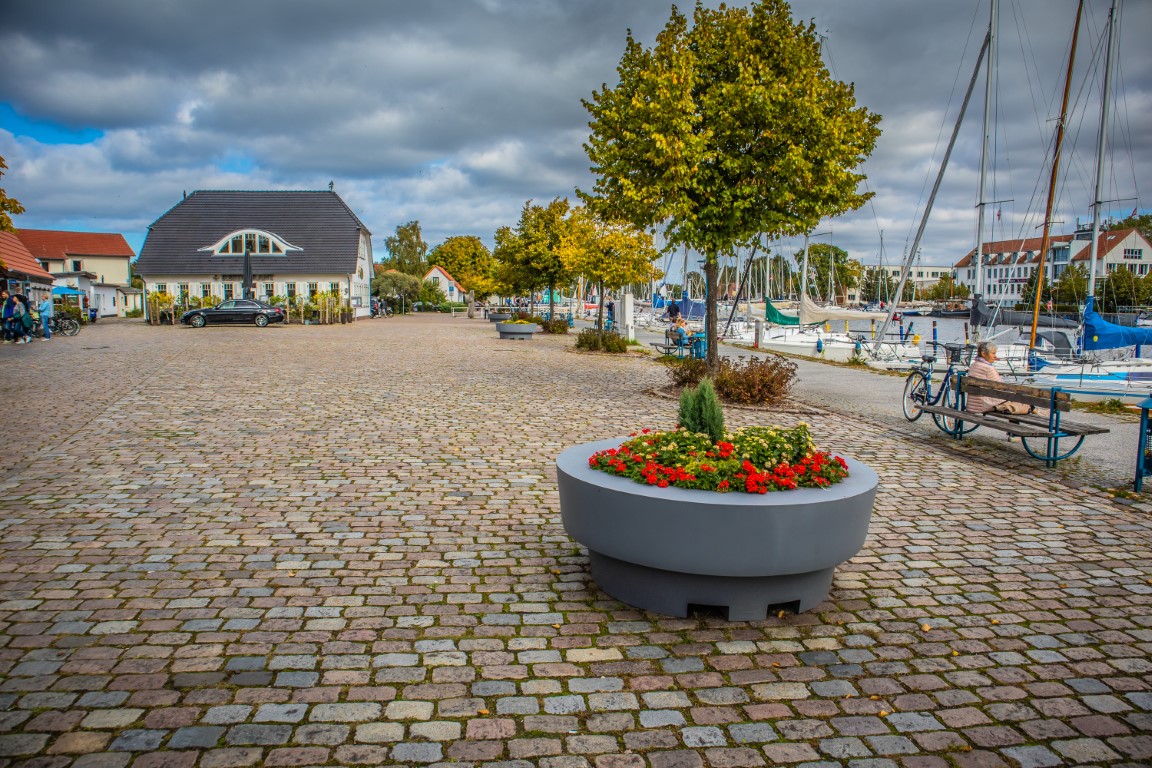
261 321
198 321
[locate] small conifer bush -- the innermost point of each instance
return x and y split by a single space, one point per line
700 411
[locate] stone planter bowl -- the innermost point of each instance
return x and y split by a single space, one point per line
669 550
499 317
518 331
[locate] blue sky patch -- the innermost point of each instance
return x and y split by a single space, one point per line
43 131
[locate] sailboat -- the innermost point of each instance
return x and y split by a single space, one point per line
1096 378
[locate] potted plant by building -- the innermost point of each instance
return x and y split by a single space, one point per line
520 330
698 516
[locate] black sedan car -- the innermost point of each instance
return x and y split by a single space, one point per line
234 311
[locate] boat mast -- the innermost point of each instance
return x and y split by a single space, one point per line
979 291
906 267
1046 239
1101 143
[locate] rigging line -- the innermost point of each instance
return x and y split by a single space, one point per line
1027 51
944 121
1124 125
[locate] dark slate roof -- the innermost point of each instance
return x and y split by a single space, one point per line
318 222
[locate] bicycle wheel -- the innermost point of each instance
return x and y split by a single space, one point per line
915 395
68 326
950 398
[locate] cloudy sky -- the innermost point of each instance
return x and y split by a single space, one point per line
455 112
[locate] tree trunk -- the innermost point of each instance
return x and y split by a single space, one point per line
470 297
551 301
710 273
600 309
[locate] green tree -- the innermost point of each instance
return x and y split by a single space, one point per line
430 293
1028 291
611 255
726 131
392 284
1071 288
1142 222
1123 288
876 285
528 257
783 277
8 205
469 261
946 289
407 251
825 259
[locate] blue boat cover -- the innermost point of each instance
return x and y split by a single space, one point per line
1101 334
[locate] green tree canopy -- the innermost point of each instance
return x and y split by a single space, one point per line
1071 288
528 257
469 261
389 283
1142 222
611 255
825 260
1123 288
727 130
407 251
946 288
8 205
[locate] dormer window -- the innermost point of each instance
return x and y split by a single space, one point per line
254 241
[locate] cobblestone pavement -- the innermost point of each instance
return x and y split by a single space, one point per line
341 546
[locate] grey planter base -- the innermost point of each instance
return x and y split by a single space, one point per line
517 331
674 594
666 549
499 317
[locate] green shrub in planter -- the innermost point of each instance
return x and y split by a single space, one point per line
601 341
556 325
700 411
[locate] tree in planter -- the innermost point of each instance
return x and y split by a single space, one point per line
609 255
528 257
726 131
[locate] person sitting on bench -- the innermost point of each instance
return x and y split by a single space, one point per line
678 333
981 368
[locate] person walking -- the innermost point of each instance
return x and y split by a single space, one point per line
46 310
22 315
9 306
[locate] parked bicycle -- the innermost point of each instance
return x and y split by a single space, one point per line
918 389
58 324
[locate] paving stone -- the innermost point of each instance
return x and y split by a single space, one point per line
172 595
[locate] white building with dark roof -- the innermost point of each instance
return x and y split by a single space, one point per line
298 244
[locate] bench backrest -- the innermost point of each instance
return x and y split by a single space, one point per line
1041 397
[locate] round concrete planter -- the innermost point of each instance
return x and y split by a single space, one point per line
519 331
668 550
499 317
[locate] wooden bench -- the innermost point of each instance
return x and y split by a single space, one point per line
1033 429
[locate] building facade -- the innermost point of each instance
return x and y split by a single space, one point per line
96 263
20 272
297 243
1009 264
446 283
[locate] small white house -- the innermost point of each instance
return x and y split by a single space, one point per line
445 282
